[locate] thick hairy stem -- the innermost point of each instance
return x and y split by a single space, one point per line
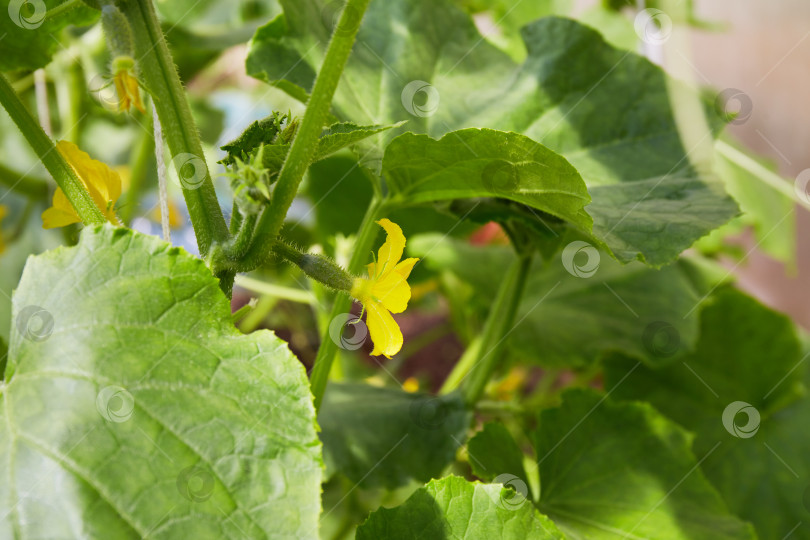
44 147
305 142
157 70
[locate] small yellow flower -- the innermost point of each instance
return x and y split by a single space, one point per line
386 291
175 215
411 385
3 213
103 184
126 85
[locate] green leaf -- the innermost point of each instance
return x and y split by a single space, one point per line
264 131
771 213
30 38
746 354
339 136
576 319
333 138
273 56
616 28
509 18
455 508
493 452
606 110
134 408
339 194
211 15
621 470
385 437
483 162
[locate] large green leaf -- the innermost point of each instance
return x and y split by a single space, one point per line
748 361
575 319
134 408
509 17
621 470
268 131
30 38
606 110
386 437
482 162
455 508
493 453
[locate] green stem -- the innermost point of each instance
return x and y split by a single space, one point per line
304 145
252 320
62 8
497 327
236 218
70 88
35 188
328 349
768 177
43 146
140 160
276 291
463 366
318 267
23 221
237 248
160 77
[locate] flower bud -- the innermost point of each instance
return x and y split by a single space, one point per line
117 31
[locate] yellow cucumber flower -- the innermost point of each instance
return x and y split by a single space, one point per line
126 85
3 213
386 291
103 184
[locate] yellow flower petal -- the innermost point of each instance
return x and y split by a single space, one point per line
135 92
129 94
384 330
175 215
60 214
404 268
102 183
391 251
386 290
392 291
411 385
